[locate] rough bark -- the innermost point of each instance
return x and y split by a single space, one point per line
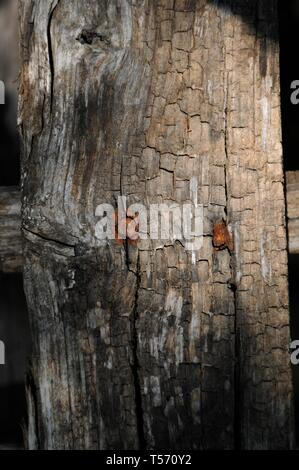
150 345
11 259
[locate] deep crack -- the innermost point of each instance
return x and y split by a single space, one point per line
136 366
50 53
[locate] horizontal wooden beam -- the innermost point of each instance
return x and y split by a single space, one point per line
11 259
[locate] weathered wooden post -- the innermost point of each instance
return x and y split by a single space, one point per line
154 347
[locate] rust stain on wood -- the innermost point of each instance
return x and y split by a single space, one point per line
222 237
126 229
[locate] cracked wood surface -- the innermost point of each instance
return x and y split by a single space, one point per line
11 246
149 345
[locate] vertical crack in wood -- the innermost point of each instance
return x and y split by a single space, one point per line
68 379
237 387
233 287
136 366
50 53
125 242
226 144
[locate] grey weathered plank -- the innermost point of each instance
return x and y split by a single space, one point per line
11 259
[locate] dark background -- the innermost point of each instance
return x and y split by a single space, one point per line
14 330
289 70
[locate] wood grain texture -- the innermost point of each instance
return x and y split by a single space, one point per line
150 345
12 198
11 259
